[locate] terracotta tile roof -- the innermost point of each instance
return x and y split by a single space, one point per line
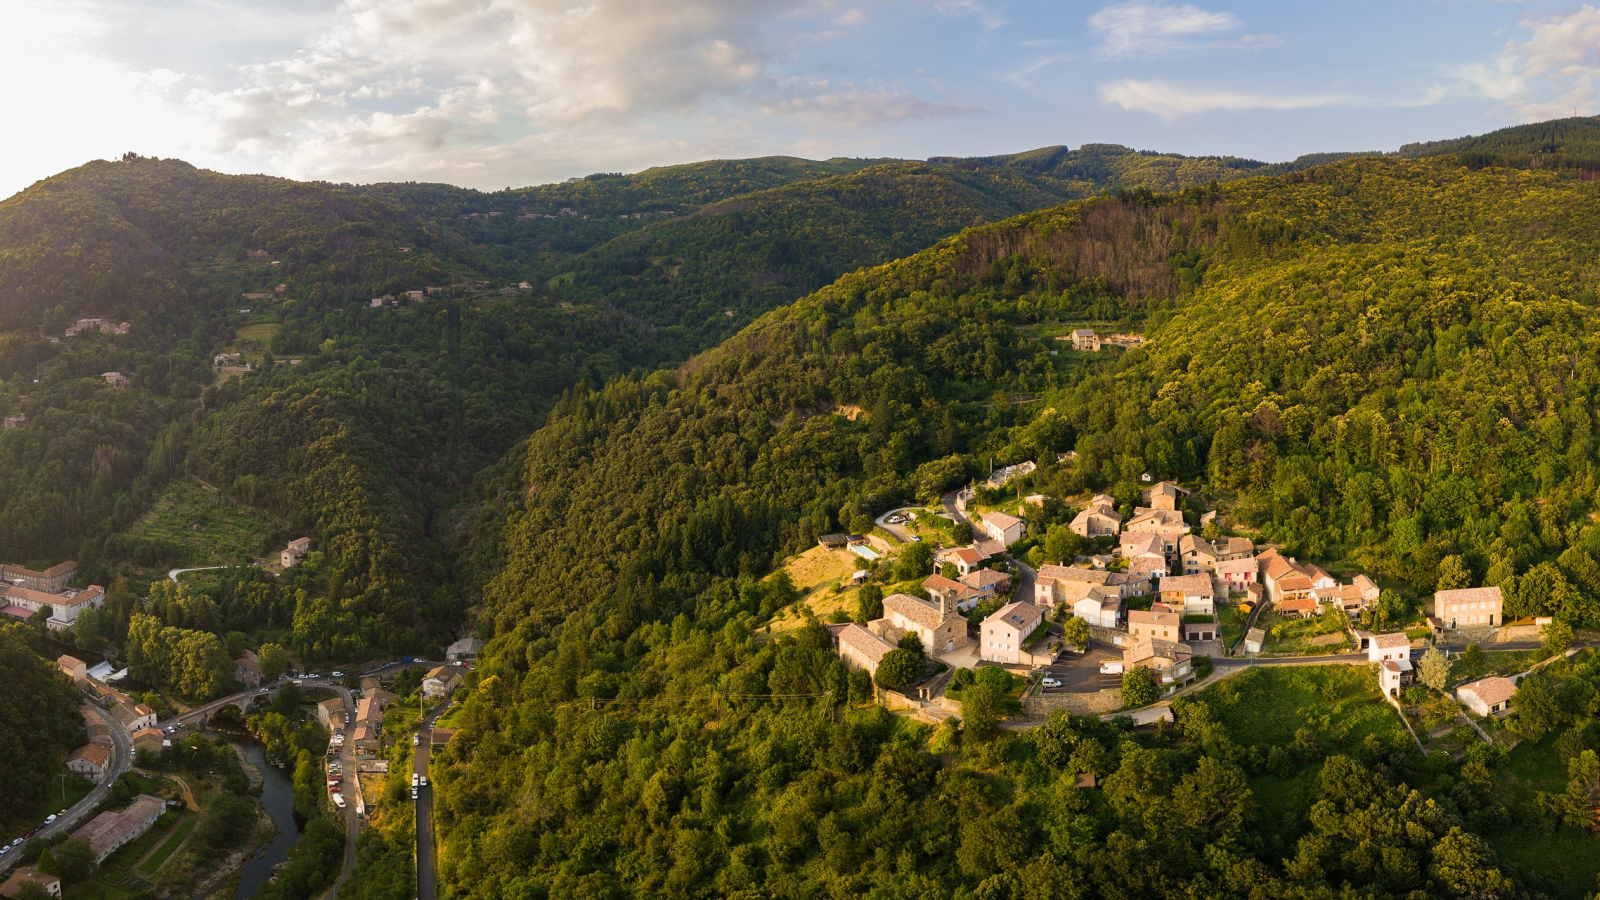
1158 619
1299 604
1074 573
1492 691
1155 648
1000 520
1236 565
1140 542
982 578
1188 584
1469 595
941 583
1021 615
869 645
94 753
917 611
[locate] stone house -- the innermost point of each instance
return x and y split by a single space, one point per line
1003 528
1099 518
465 650
986 583
109 831
1166 626
296 551
939 628
73 668
1488 696
247 669
1479 607
1164 495
1004 633
1171 661
1196 594
1085 339
1237 573
858 647
439 682
89 760
945 590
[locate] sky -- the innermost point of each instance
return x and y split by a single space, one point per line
501 93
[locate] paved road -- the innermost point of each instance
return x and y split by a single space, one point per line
174 573
1025 579
427 881
900 532
352 792
121 760
951 510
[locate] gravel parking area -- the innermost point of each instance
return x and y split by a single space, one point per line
1080 674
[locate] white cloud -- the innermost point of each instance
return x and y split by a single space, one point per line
849 106
1167 100
1551 73
467 89
1139 28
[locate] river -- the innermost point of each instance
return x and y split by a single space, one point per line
277 797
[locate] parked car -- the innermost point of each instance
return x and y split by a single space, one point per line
416 739
338 675
1049 682
424 781
50 818
413 793
1111 667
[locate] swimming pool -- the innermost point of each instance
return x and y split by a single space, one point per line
864 551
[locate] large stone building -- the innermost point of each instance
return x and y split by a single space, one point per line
49 581
858 647
937 625
111 830
1480 607
24 602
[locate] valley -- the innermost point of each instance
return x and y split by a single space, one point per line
1070 523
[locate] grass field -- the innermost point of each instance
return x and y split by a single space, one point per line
173 842
1232 623
1266 706
256 339
1494 662
210 527
1316 635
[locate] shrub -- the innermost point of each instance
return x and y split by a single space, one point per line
1139 688
994 677
898 669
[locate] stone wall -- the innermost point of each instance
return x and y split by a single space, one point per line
1038 707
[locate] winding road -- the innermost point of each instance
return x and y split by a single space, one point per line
121 760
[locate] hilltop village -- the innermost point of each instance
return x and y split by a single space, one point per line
1154 599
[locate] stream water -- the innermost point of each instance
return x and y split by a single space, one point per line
277 797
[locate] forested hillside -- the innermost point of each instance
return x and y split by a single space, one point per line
361 427
39 723
1382 362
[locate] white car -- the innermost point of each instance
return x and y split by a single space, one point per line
424 781
1049 682
338 675
416 739
1111 667
49 819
